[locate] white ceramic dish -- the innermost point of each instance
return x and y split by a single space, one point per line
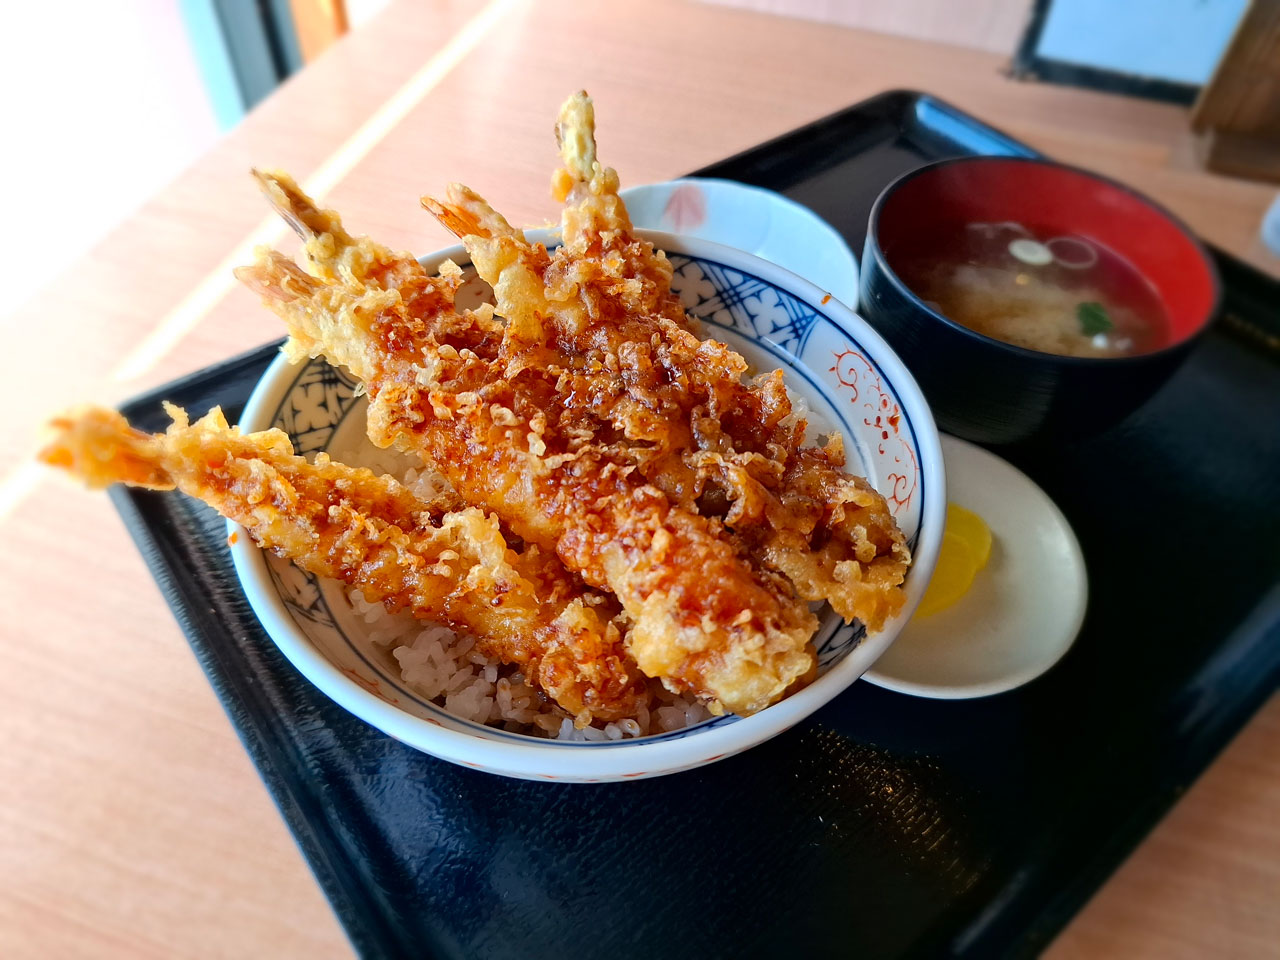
844 370
1025 607
753 219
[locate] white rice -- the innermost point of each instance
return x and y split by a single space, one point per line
447 668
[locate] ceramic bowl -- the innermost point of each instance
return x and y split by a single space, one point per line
993 392
753 219
849 377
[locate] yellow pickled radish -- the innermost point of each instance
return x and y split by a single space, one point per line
972 529
952 576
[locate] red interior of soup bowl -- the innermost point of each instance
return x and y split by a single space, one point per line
994 189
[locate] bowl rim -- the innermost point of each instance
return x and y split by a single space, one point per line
549 760
873 249
831 236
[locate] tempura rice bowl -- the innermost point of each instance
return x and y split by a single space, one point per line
430 688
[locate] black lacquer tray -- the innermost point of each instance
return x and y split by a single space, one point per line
885 826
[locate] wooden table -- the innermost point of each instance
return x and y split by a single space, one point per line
131 821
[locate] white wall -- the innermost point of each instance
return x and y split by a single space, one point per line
101 104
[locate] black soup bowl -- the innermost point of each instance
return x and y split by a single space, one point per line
994 392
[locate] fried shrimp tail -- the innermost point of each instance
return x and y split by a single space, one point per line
372 532
467 214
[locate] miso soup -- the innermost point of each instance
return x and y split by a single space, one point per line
1035 288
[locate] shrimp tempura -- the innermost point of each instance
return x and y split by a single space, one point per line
600 308
368 531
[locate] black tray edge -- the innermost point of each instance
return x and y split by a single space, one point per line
1141 822
1260 332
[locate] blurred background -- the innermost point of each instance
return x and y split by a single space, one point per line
107 102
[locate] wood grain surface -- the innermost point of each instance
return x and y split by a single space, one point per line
131 821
